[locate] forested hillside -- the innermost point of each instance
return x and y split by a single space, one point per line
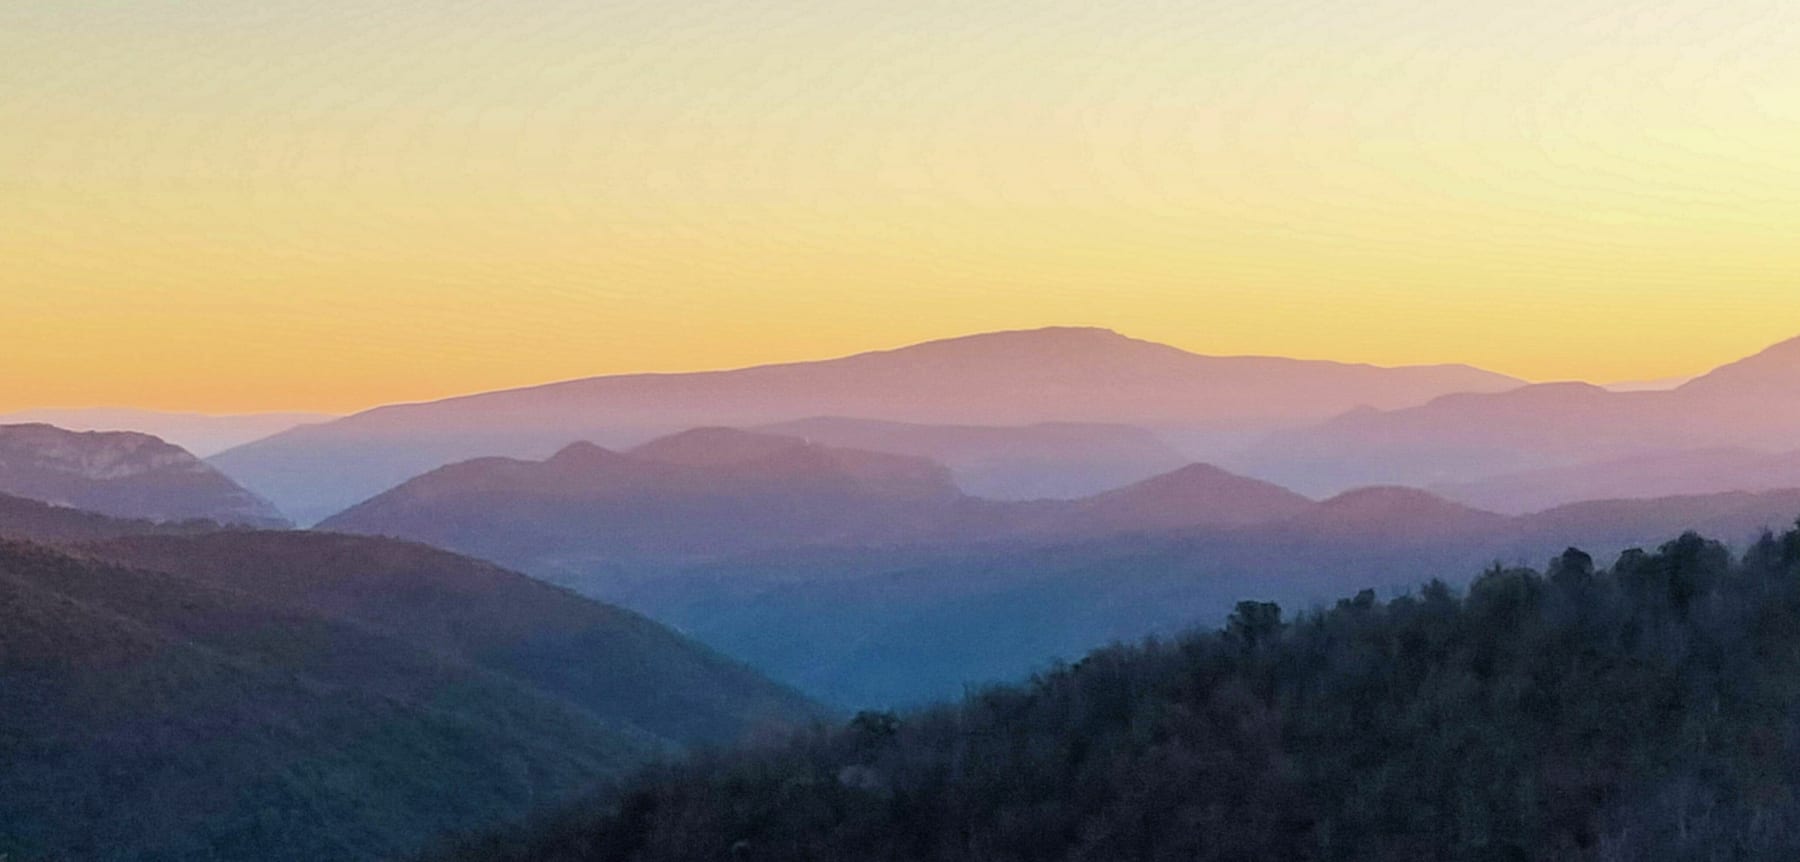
1647 711
245 695
148 717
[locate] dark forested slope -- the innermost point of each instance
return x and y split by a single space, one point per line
1647 711
248 695
613 663
35 521
149 717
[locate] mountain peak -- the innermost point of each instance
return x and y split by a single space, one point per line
1197 495
91 454
1547 394
1773 371
715 446
1042 335
582 452
123 474
1394 511
1385 497
1060 343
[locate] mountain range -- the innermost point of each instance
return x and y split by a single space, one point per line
1010 378
880 627
717 493
869 587
1468 438
1684 472
525 594
1049 460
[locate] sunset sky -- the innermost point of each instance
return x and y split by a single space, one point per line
233 205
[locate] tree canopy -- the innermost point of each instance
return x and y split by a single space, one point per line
1651 709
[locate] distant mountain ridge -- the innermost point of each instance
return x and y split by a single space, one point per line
124 474
712 494
205 435
1470 438
908 625
860 596
1047 460
1652 475
996 379
702 493
1192 496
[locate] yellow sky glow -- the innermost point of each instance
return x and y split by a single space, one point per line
229 205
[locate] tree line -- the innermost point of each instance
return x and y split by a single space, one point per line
1646 710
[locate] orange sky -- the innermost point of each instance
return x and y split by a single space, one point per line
228 205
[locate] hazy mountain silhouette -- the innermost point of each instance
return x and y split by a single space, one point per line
768 549
903 625
783 464
700 494
1008 378
1657 474
1772 374
125 474
714 493
202 434
1465 438
1197 495
1393 514
1050 460
1457 437
1612 525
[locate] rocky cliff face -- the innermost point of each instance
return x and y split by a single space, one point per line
124 474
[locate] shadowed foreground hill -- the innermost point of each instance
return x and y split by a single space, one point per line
150 717
1650 711
35 521
615 664
297 696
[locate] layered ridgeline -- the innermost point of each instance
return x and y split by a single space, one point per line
869 579
719 493
1047 460
295 696
899 626
1662 473
1646 712
999 379
1531 447
125 474
701 494
204 435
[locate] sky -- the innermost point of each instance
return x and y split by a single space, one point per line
235 205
